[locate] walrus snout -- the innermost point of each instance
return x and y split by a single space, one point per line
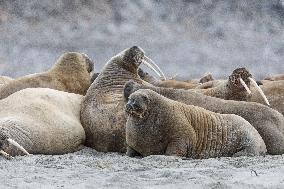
89 62
134 54
129 88
134 108
237 75
242 78
6 142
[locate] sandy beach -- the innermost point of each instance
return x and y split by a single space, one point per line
91 169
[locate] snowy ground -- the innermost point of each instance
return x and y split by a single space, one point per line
90 169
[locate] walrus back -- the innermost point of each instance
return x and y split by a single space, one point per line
30 81
220 134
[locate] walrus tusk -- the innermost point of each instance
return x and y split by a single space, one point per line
259 90
154 66
11 141
245 85
6 155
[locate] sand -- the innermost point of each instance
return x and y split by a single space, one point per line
91 169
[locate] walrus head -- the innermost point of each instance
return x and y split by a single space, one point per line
74 61
207 77
6 141
137 105
129 88
241 79
131 58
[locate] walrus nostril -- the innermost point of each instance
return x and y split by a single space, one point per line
128 106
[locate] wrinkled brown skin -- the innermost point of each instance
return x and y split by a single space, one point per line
276 77
71 73
274 91
232 88
173 128
268 122
42 120
102 112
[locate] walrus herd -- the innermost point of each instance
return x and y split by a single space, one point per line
124 109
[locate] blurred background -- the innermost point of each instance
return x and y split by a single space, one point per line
189 37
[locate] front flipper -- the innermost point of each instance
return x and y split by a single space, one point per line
131 152
177 148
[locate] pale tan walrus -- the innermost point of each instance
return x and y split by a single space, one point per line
40 121
71 73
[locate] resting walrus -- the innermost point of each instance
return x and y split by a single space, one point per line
71 73
102 112
158 125
173 83
237 87
42 121
276 77
268 122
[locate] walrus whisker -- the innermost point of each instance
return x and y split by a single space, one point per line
17 145
259 90
149 61
245 85
6 155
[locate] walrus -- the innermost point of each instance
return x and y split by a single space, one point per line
274 90
237 87
157 125
276 77
102 111
172 83
71 73
267 121
40 121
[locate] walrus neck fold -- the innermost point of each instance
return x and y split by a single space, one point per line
115 75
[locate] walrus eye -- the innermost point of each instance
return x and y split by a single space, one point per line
145 99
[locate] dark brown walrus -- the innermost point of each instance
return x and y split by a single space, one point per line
237 87
71 73
158 125
102 112
268 122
